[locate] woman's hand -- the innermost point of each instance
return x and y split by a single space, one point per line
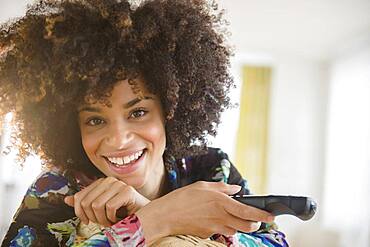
200 209
101 201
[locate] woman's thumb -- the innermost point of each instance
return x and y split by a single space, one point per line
233 189
69 200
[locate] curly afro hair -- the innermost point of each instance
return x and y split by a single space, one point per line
62 51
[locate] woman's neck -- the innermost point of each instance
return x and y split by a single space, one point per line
157 187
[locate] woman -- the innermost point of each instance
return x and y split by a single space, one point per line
118 101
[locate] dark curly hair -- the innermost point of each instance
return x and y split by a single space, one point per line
65 52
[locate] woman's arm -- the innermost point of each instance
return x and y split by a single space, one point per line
199 209
42 204
268 234
44 219
73 233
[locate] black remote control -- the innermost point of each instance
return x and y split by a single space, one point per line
299 206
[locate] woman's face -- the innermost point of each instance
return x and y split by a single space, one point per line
127 139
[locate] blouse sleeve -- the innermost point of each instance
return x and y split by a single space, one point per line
268 234
44 219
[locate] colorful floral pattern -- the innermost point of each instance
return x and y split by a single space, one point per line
49 182
127 232
25 237
44 218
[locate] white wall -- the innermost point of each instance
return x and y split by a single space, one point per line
13 180
12 8
297 137
347 174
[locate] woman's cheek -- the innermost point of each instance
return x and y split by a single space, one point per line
90 143
156 133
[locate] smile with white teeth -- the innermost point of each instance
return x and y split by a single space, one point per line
125 160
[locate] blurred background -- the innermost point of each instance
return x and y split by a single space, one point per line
302 125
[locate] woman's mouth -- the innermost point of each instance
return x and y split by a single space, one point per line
125 164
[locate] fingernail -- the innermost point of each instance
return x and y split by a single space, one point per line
236 188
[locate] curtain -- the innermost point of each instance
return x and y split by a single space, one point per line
251 150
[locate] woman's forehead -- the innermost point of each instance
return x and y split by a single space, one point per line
124 92
128 89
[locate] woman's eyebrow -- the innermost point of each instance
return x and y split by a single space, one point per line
89 108
133 102
129 104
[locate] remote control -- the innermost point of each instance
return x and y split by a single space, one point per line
302 207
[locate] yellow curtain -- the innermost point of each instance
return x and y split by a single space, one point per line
251 150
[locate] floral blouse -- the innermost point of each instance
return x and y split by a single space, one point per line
43 218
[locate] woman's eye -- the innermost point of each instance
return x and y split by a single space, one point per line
138 113
94 122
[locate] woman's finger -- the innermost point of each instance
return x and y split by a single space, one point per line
226 219
241 225
94 208
78 197
227 231
222 187
69 200
100 207
246 212
122 199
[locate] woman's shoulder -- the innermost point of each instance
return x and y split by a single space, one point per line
49 183
42 205
211 154
214 165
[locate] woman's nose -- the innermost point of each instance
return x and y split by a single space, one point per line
119 135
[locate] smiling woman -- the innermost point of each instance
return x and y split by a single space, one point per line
118 103
127 139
